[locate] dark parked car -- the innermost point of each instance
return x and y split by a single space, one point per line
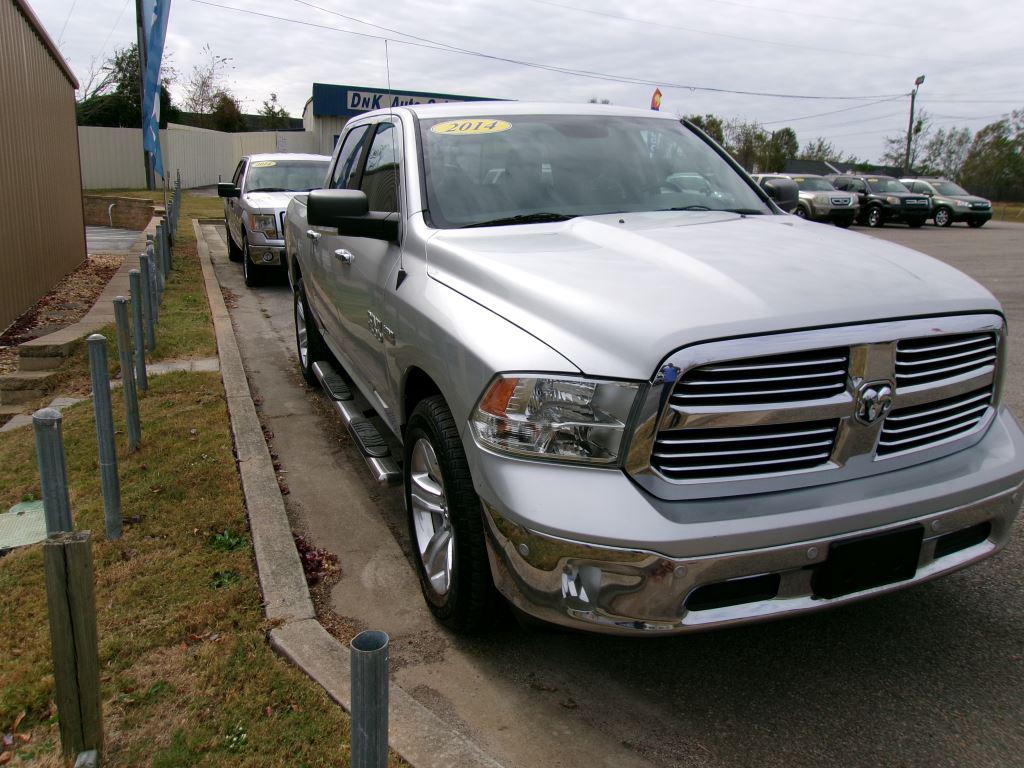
884 200
819 200
951 202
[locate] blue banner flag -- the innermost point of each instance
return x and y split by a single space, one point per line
155 32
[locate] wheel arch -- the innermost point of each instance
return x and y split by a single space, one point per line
417 385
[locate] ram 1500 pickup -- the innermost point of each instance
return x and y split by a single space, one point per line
635 405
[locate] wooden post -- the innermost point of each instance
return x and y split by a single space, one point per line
71 604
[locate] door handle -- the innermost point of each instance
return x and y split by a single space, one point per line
346 256
312 234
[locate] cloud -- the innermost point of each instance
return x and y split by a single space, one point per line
871 47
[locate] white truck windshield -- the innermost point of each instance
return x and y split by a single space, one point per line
285 175
507 169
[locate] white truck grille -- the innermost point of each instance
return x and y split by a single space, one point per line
921 426
920 361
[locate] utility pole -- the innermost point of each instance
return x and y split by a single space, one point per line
910 125
140 30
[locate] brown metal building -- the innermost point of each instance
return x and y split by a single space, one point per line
40 172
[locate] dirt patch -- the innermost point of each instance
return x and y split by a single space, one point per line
67 303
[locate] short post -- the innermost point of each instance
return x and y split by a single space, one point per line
147 300
53 470
104 416
138 330
157 261
369 732
124 356
71 605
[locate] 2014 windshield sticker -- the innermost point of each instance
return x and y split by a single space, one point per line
470 127
264 163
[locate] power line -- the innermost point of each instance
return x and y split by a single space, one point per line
832 112
594 75
103 48
60 37
648 23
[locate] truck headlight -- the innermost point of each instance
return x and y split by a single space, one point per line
891 200
566 417
265 223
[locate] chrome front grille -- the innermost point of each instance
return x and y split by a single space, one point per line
721 453
794 377
930 359
775 412
925 425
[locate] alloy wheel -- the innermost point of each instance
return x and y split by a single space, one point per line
435 540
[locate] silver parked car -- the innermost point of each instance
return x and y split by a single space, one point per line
254 204
819 200
635 406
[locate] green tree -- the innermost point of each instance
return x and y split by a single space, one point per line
945 152
712 125
226 115
994 165
112 94
274 115
820 149
207 82
781 147
747 143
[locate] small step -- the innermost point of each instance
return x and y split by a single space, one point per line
371 443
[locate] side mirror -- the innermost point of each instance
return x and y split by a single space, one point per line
227 189
784 192
348 211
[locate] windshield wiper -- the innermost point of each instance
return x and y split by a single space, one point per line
687 208
523 218
744 211
270 189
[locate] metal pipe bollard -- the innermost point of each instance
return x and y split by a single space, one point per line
369 732
103 412
146 279
138 330
53 470
124 356
157 260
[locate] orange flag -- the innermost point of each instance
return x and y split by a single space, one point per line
656 99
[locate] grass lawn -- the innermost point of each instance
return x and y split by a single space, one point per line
188 676
1008 212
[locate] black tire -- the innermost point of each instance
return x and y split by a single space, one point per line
916 223
943 217
252 274
875 218
801 212
976 223
316 349
234 252
467 605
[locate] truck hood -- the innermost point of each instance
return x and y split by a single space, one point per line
269 202
617 293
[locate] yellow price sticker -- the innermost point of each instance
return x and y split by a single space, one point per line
468 127
264 163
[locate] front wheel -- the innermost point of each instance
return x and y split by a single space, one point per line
943 217
234 252
446 520
252 274
801 212
875 218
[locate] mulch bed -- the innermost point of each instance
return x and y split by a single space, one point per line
67 303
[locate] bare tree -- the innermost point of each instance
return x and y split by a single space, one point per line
896 146
207 83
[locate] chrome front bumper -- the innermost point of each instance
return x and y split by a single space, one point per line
621 591
266 255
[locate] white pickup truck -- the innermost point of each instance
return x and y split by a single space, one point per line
630 402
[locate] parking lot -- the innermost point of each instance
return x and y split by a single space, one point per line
930 676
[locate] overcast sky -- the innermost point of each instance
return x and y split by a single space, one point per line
971 52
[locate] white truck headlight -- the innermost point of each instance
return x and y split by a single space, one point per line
265 223
566 417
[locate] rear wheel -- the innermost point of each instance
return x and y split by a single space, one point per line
943 217
308 342
446 520
875 217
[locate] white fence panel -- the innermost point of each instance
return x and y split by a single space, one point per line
112 157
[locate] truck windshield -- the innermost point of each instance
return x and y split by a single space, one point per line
886 185
520 169
285 175
813 184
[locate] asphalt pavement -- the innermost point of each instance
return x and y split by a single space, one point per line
930 676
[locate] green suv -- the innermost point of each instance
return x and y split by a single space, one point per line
951 202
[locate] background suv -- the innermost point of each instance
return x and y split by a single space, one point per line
819 200
951 202
883 199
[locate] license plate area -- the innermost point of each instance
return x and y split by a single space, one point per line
872 561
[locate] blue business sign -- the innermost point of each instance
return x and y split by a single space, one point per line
349 100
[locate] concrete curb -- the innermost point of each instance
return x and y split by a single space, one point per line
415 733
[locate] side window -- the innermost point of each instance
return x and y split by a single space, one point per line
347 165
237 178
856 185
380 178
840 184
913 186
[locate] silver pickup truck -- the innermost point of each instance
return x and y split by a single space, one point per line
254 204
637 406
